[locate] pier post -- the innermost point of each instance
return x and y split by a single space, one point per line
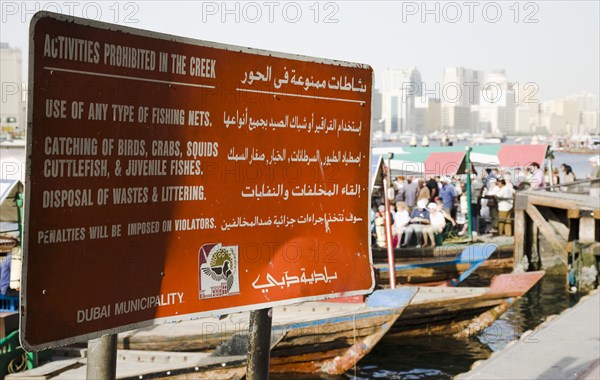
519 237
468 190
102 358
259 348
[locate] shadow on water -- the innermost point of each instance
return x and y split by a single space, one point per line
443 358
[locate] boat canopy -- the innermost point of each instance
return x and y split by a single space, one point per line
451 160
8 208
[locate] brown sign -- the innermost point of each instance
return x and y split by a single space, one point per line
171 178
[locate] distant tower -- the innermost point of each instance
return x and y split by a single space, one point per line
498 103
400 87
460 91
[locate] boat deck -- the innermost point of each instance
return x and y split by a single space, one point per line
145 364
239 322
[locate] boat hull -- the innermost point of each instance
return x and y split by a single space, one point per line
461 311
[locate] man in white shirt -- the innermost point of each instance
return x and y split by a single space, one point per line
504 197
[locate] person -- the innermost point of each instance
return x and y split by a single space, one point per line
432 185
410 192
5 275
447 195
372 216
519 178
525 184
504 198
487 175
595 175
437 222
476 190
537 179
401 220
555 177
461 218
567 177
492 204
399 186
418 219
380 226
424 192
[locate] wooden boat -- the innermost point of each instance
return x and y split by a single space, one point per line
135 365
311 337
462 311
427 272
337 335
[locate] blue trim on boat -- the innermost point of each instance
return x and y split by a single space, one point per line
399 297
473 254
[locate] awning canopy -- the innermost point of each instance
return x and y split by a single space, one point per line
450 160
428 163
8 209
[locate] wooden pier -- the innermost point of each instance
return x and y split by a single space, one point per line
561 218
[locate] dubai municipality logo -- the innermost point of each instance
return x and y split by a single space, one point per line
219 274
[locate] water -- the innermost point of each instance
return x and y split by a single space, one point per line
579 163
442 358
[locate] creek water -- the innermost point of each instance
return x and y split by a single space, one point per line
442 358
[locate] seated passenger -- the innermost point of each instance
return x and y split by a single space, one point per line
418 219
380 227
436 225
401 220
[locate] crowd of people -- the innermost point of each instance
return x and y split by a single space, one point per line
426 206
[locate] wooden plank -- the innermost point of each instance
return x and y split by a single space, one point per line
560 200
549 201
587 230
573 214
519 249
560 225
546 230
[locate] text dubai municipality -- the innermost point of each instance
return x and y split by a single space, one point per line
130 306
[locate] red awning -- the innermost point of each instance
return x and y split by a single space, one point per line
445 163
522 155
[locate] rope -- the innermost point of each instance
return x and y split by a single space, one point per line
18 364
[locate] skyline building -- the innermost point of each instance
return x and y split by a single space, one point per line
498 106
12 113
460 92
400 88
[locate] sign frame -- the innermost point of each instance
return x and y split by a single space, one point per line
29 150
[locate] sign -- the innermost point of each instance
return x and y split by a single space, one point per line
171 178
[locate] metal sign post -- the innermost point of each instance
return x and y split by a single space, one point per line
259 348
102 358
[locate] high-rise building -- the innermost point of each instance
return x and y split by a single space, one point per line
428 115
400 88
587 102
525 118
376 120
460 91
589 113
12 112
498 103
569 115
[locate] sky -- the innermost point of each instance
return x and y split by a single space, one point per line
553 44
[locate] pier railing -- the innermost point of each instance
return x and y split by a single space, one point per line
574 187
560 217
